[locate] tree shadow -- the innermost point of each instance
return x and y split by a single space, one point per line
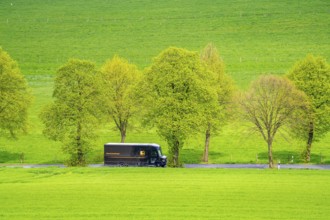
319 158
291 157
285 157
191 156
195 156
6 157
216 156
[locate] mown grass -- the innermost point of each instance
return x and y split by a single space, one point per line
253 37
150 193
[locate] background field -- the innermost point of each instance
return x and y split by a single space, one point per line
253 37
150 193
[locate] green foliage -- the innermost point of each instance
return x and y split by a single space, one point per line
130 193
215 77
220 82
312 76
120 78
176 95
271 103
73 116
15 96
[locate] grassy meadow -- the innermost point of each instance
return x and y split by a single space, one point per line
151 193
253 37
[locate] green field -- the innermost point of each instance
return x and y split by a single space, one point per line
150 193
253 37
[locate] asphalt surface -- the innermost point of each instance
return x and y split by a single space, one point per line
259 166
219 166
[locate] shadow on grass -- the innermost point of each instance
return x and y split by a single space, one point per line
191 155
319 158
6 157
291 157
216 156
195 156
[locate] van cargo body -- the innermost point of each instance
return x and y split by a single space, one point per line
134 154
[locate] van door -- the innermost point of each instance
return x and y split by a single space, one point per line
153 155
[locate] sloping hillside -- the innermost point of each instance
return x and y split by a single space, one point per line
253 36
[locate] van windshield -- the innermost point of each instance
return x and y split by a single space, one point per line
160 152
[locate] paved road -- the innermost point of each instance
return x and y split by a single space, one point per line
259 166
226 166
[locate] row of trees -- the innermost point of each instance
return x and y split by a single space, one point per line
180 94
297 103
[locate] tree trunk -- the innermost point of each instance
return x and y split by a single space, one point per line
123 135
80 153
176 162
309 142
122 127
207 143
270 154
176 158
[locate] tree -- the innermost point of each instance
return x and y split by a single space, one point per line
272 103
175 94
119 79
223 84
312 76
73 116
15 96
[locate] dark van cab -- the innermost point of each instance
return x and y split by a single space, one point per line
134 154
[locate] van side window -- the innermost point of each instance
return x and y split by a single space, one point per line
154 153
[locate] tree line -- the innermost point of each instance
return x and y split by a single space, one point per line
180 94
